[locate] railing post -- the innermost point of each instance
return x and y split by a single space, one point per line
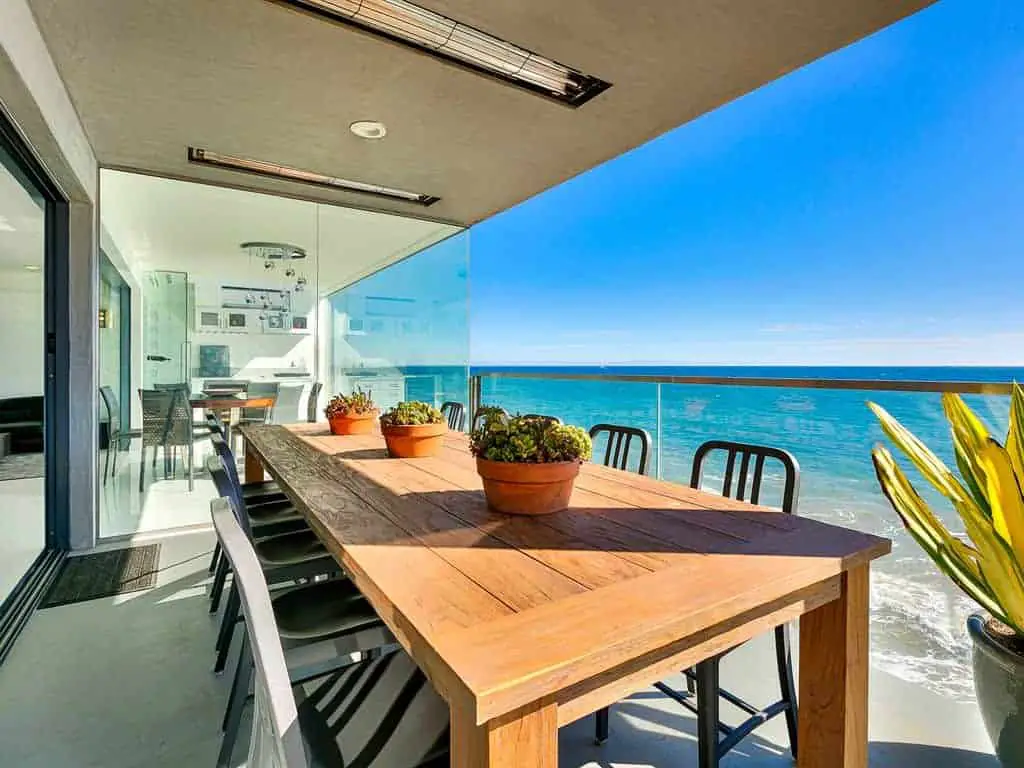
475 396
657 442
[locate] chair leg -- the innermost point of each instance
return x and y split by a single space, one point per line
106 463
784 659
601 726
691 686
215 559
142 466
217 588
189 468
117 450
236 703
707 713
227 630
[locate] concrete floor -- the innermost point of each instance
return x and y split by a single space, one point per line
126 683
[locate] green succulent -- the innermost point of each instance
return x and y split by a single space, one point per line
357 403
527 440
410 414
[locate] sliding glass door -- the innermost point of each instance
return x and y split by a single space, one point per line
22 375
33 382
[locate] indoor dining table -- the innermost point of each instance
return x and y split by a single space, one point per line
225 405
526 624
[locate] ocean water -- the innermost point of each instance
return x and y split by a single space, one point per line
917 616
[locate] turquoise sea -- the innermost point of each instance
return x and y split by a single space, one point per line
917 617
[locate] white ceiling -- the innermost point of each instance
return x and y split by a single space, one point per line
253 78
158 223
21 227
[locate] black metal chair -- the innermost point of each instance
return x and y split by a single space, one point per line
620 438
620 441
116 434
742 480
455 415
311 403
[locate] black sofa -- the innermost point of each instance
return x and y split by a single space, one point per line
22 417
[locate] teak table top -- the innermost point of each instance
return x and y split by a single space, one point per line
572 611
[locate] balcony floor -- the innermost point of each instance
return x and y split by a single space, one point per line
126 683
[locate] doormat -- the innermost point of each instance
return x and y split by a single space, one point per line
104 574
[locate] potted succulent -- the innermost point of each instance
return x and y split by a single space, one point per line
987 495
353 414
528 464
413 430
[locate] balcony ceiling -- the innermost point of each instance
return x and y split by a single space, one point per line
252 78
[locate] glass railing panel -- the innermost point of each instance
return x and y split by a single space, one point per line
403 333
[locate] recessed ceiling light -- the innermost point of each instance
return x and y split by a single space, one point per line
369 129
33 268
274 170
416 27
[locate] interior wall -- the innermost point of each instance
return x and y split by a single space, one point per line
21 334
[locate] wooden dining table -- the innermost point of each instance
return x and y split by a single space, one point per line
526 624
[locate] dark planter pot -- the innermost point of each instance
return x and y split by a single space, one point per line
999 683
527 489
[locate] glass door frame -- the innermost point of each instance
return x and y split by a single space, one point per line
17 607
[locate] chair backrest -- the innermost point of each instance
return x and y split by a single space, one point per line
156 415
482 411
549 419
113 410
261 389
225 386
276 735
620 440
224 480
176 385
455 415
314 399
747 453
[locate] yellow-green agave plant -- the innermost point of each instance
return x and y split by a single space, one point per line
986 494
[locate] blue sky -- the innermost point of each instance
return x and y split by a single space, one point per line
867 209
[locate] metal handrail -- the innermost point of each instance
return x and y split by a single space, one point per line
871 385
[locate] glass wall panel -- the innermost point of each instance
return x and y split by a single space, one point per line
403 333
22 376
233 288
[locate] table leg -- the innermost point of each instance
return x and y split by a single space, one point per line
526 737
253 466
833 701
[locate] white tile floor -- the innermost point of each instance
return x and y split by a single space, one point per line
164 503
125 683
23 532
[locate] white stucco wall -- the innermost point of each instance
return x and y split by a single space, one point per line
33 96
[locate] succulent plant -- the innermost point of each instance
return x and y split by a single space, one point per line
356 404
527 439
411 414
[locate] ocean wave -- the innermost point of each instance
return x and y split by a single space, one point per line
919 633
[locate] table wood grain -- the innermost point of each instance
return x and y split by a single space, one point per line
525 624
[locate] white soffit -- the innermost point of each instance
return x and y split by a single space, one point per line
159 223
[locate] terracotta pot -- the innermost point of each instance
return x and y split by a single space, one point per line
414 441
527 489
999 683
354 424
